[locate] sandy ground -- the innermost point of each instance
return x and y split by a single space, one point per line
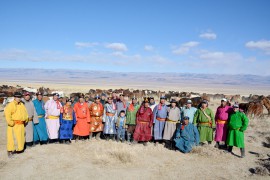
112 160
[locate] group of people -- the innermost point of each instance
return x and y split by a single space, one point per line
177 128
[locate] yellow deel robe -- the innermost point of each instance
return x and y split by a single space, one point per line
14 113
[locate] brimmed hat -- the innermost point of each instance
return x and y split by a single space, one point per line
134 98
26 94
205 101
173 101
151 98
18 94
146 100
189 101
224 99
69 100
185 118
38 93
97 97
103 94
236 105
162 97
110 98
55 94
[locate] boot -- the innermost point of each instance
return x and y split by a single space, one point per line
209 142
217 145
230 149
28 145
90 136
128 137
242 150
98 136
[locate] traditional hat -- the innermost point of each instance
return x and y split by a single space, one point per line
189 101
185 118
39 93
134 98
17 94
110 98
146 100
205 101
162 97
97 97
224 99
151 98
173 101
26 94
103 94
69 100
55 94
236 105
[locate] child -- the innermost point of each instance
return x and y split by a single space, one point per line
121 126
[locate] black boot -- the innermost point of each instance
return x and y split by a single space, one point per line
230 149
28 144
242 150
217 145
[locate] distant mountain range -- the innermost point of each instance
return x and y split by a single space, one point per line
135 79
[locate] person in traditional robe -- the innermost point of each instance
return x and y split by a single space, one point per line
96 112
32 119
81 129
187 136
103 99
189 111
122 104
131 118
238 123
40 129
16 116
144 123
173 118
204 119
152 103
67 122
52 109
121 127
160 115
115 97
221 118
109 118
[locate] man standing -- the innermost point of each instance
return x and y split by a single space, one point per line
32 119
82 126
144 123
187 136
152 104
160 115
238 123
103 99
16 116
204 119
131 118
40 129
52 108
189 111
122 104
109 118
170 125
96 111
221 118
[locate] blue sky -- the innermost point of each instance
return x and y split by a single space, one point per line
224 37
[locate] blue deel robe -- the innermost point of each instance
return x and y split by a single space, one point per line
66 127
159 125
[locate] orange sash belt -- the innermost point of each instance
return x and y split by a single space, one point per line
161 119
109 114
222 121
18 122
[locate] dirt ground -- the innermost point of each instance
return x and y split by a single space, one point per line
112 160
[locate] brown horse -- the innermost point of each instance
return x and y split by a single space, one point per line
255 108
266 102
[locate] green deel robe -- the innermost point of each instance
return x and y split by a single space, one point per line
206 132
238 123
131 115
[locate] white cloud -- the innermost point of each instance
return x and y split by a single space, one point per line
185 48
85 44
263 45
117 46
210 36
148 48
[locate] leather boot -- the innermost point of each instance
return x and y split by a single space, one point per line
242 150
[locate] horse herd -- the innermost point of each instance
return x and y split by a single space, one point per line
252 105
